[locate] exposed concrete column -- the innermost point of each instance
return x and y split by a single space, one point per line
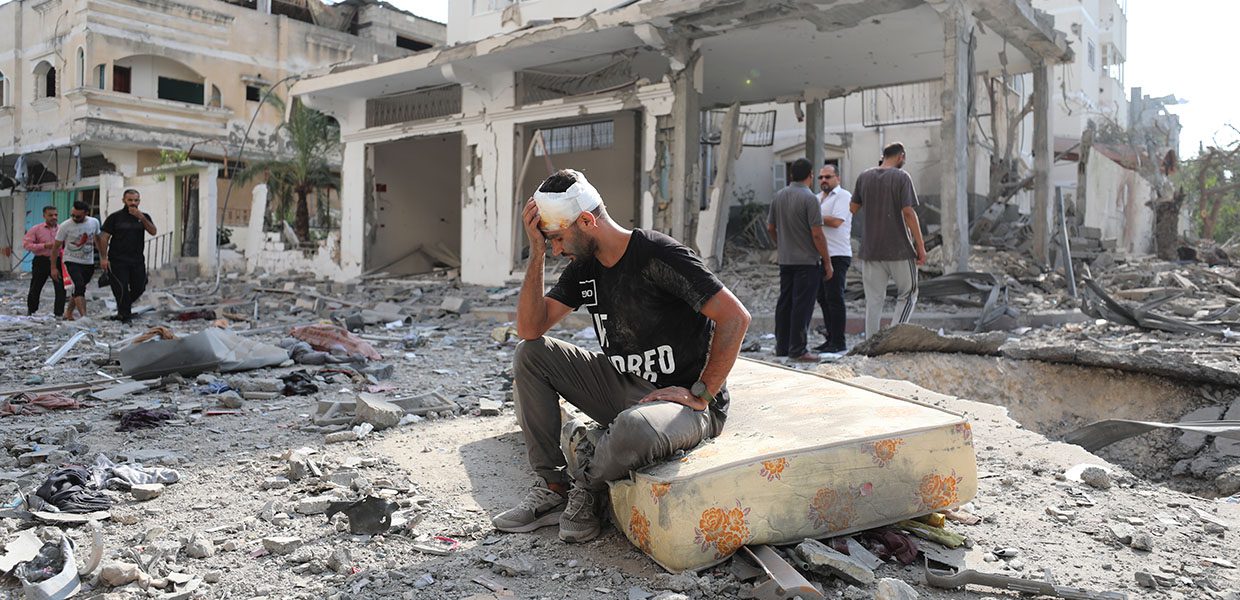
264 6
353 205
1043 161
815 125
254 235
714 220
686 149
208 215
954 137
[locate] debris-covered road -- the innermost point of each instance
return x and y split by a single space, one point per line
258 470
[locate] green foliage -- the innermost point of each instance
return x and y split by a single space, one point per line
1211 184
310 140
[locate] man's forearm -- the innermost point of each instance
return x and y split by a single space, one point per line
531 308
914 226
725 346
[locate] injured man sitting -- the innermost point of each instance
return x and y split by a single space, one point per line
669 331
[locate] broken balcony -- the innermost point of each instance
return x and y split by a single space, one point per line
104 115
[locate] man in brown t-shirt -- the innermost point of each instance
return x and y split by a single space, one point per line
891 243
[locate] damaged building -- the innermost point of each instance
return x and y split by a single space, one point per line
100 96
655 101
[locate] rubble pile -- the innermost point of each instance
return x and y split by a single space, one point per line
367 461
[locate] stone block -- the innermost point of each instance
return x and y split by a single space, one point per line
146 491
281 544
378 412
828 561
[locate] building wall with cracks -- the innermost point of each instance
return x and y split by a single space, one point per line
93 88
704 45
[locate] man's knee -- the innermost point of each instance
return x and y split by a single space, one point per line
633 432
529 352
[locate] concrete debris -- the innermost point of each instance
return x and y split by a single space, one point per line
281 545
826 560
146 491
894 589
378 412
915 338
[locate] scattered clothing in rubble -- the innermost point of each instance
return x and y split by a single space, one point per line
215 387
107 474
144 418
302 353
73 490
886 544
32 404
299 383
330 337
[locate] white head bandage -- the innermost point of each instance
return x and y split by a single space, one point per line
558 210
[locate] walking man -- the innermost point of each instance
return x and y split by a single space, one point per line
669 332
834 202
78 237
121 249
891 243
41 241
794 222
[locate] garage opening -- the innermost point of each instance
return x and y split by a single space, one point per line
415 216
603 147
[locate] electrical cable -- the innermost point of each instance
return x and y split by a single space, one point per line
228 193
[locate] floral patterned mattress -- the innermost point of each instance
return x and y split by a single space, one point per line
801 456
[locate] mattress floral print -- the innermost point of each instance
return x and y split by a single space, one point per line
802 456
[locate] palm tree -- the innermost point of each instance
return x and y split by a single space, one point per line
310 139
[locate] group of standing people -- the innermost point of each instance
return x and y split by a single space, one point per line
812 234
67 250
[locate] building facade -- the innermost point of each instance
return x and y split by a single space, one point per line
97 96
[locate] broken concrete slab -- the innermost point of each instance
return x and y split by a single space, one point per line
146 491
915 338
894 589
1191 442
377 411
119 391
454 304
829 561
1229 447
281 544
20 549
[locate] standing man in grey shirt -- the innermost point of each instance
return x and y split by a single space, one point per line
795 224
891 243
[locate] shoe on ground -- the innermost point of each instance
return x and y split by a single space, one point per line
580 521
541 507
808 357
822 347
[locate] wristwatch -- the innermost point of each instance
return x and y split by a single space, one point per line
702 392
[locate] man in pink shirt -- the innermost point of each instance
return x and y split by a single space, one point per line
40 241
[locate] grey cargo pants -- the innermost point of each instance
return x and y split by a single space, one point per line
636 435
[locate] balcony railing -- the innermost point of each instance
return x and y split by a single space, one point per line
158 251
119 107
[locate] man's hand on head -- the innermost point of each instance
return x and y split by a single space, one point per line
675 394
535 235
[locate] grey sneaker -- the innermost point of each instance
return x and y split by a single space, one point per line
540 508
580 521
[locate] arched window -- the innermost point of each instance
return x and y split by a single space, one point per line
216 98
81 67
101 76
45 80
4 90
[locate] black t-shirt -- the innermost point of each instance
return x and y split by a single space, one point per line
128 235
646 308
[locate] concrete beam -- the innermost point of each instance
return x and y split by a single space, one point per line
1027 29
1043 161
954 136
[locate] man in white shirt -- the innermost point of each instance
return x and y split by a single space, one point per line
79 238
837 224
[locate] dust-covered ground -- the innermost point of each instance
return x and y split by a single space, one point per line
451 469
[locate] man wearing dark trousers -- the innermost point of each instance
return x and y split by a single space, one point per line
40 241
837 226
121 243
794 222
